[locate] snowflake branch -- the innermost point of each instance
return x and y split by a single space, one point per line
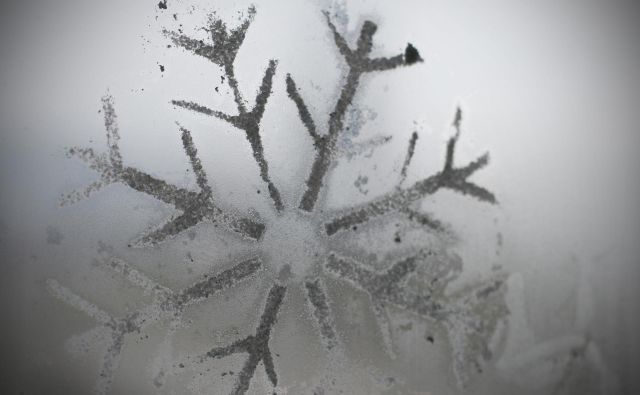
174 226
385 286
195 107
407 159
257 346
67 296
384 324
415 216
359 148
113 136
340 42
233 84
117 330
107 166
196 46
382 64
196 164
79 194
229 42
237 35
251 124
400 199
264 92
225 46
237 347
470 316
137 278
358 63
317 297
472 319
303 111
223 53
451 144
110 363
137 180
423 219
195 206
167 305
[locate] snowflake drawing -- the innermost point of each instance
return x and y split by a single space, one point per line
298 247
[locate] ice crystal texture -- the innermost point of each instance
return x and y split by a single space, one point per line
300 245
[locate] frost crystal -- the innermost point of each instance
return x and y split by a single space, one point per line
298 245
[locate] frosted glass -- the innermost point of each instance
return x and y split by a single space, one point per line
319 197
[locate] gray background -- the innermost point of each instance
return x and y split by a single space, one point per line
550 88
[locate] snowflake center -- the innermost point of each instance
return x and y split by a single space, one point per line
292 244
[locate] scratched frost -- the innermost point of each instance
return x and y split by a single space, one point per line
301 247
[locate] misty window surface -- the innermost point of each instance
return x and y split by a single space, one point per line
319 197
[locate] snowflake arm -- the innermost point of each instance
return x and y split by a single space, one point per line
384 325
384 287
145 183
196 46
317 297
358 63
339 40
223 53
196 164
257 346
110 363
365 147
407 160
134 276
423 219
472 318
303 111
167 305
79 194
208 286
234 348
195 107
450 177
68 297
195 206
174 226
265 91
415 216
